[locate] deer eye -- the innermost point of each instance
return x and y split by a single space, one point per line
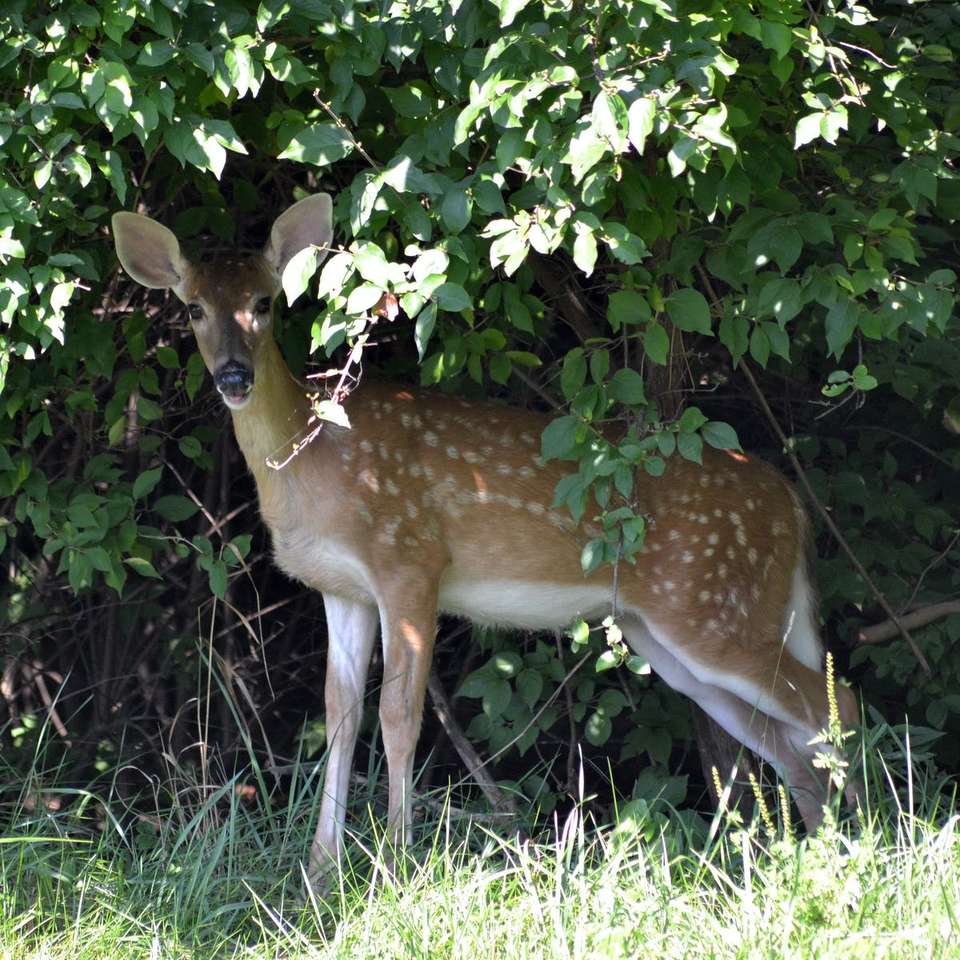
263 305
194 311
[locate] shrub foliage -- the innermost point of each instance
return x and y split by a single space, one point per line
609 203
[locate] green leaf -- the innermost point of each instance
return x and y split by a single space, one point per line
656 343
841 323
779 341
691 420
612 702
320 144
509 9
585 152
332 412
862 379
297 273
500 368
411 100
506 663
496 697
807 129
573 375
627 307
832 122
167 358
734 335
599 727
640 119
455 209
627 387
475 684
781 298
776 37
144 567
759 346
426 321
778 241
155 53
559 438
690 446
146 482
592 555
609 120
452 297
530 686
217 575
599 365
363 298
689 311
371 263
627 247
721 435
585 250
175 508
638 666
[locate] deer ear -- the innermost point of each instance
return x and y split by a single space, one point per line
309 221
148 251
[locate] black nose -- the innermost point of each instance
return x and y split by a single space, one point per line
234 380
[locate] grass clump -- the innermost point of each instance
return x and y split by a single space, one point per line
223 878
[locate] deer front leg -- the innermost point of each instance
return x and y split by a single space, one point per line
352 629
409 624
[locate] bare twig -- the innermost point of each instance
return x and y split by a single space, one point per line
822 510
340 392
333 116
912 621
869 53
501 802
906 439
936 561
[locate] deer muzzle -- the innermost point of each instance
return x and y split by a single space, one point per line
234 381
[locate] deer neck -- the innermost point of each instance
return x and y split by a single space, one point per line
275 417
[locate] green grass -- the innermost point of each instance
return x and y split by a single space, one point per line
221 878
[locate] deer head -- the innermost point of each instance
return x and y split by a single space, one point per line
229 301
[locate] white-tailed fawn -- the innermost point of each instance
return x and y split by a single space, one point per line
427 504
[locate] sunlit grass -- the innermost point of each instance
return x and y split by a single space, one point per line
222 877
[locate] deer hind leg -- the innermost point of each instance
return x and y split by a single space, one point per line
408 617
742 708
352 629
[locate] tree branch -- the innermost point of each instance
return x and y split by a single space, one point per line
828 520
498 800
912 621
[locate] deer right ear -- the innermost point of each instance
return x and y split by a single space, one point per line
148 251
309 221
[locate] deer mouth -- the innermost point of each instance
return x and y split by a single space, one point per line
235 401
234 383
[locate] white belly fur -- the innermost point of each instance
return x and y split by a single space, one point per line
526 606
326 565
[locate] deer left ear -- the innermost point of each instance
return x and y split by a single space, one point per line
309 221
148 251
